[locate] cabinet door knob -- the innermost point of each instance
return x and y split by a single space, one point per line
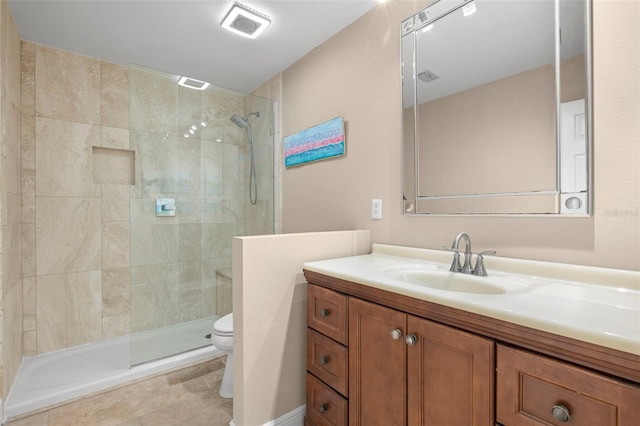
324 360
323 408
324 313
560 413
396 334
411 339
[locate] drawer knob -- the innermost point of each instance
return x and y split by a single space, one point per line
411 339
324 313
396 334
323 408
324 360
560 413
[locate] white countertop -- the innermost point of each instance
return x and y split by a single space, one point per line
601 306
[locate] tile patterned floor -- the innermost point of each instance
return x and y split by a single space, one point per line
188 396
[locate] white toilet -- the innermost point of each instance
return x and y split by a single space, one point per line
222 338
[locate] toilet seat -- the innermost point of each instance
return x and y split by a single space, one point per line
224 326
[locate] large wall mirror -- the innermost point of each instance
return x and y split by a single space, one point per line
497 108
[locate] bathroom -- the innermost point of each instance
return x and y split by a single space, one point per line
314 91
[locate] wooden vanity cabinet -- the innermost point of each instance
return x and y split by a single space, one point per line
405 370
412 362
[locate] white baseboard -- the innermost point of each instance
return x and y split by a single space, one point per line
292 418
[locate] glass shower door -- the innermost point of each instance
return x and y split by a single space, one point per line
188 202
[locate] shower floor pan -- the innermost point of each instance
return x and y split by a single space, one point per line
57 377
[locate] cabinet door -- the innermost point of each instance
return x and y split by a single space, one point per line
377 374
450 376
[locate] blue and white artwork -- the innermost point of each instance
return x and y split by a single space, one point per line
319 142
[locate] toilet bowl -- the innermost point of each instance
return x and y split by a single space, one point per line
222 338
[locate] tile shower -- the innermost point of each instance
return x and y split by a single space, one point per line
100 143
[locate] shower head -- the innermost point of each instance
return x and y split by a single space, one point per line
240 121
243 122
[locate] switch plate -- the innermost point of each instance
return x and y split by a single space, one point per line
376 208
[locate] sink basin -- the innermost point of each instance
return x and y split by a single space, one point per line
445 280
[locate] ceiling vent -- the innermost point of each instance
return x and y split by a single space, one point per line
428 76
244 21
192 83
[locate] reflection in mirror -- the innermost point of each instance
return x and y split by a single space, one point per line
491 125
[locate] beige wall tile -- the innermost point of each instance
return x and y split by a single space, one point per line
51 299
115 104
67 86
157 164
153 102
11 75
29 343
115 326
28 130
115 245
11 144
68 235
12 338
11 258
28 94
28 250
111 71
115 203
64 158
154 296
113 137
69 310
84 307
28 196
29 296
28 57
154 240
116 292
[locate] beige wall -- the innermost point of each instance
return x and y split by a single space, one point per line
11 184
269 305
356 74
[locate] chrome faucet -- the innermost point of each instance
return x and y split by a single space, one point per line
466 268
455 266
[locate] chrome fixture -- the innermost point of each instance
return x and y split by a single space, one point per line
479 268
455 266
245 21
243 123
466 268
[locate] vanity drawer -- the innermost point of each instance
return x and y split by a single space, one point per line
327 312
327 360
324 405
530 386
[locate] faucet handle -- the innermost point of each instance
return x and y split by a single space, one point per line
479 269
455 265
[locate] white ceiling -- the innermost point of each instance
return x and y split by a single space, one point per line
183 37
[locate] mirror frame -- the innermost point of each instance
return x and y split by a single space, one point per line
521 204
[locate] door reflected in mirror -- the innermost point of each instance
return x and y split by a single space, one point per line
491 124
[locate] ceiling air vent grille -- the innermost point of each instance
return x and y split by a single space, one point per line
428 75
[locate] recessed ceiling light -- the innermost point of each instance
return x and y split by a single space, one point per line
192 83
244 21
